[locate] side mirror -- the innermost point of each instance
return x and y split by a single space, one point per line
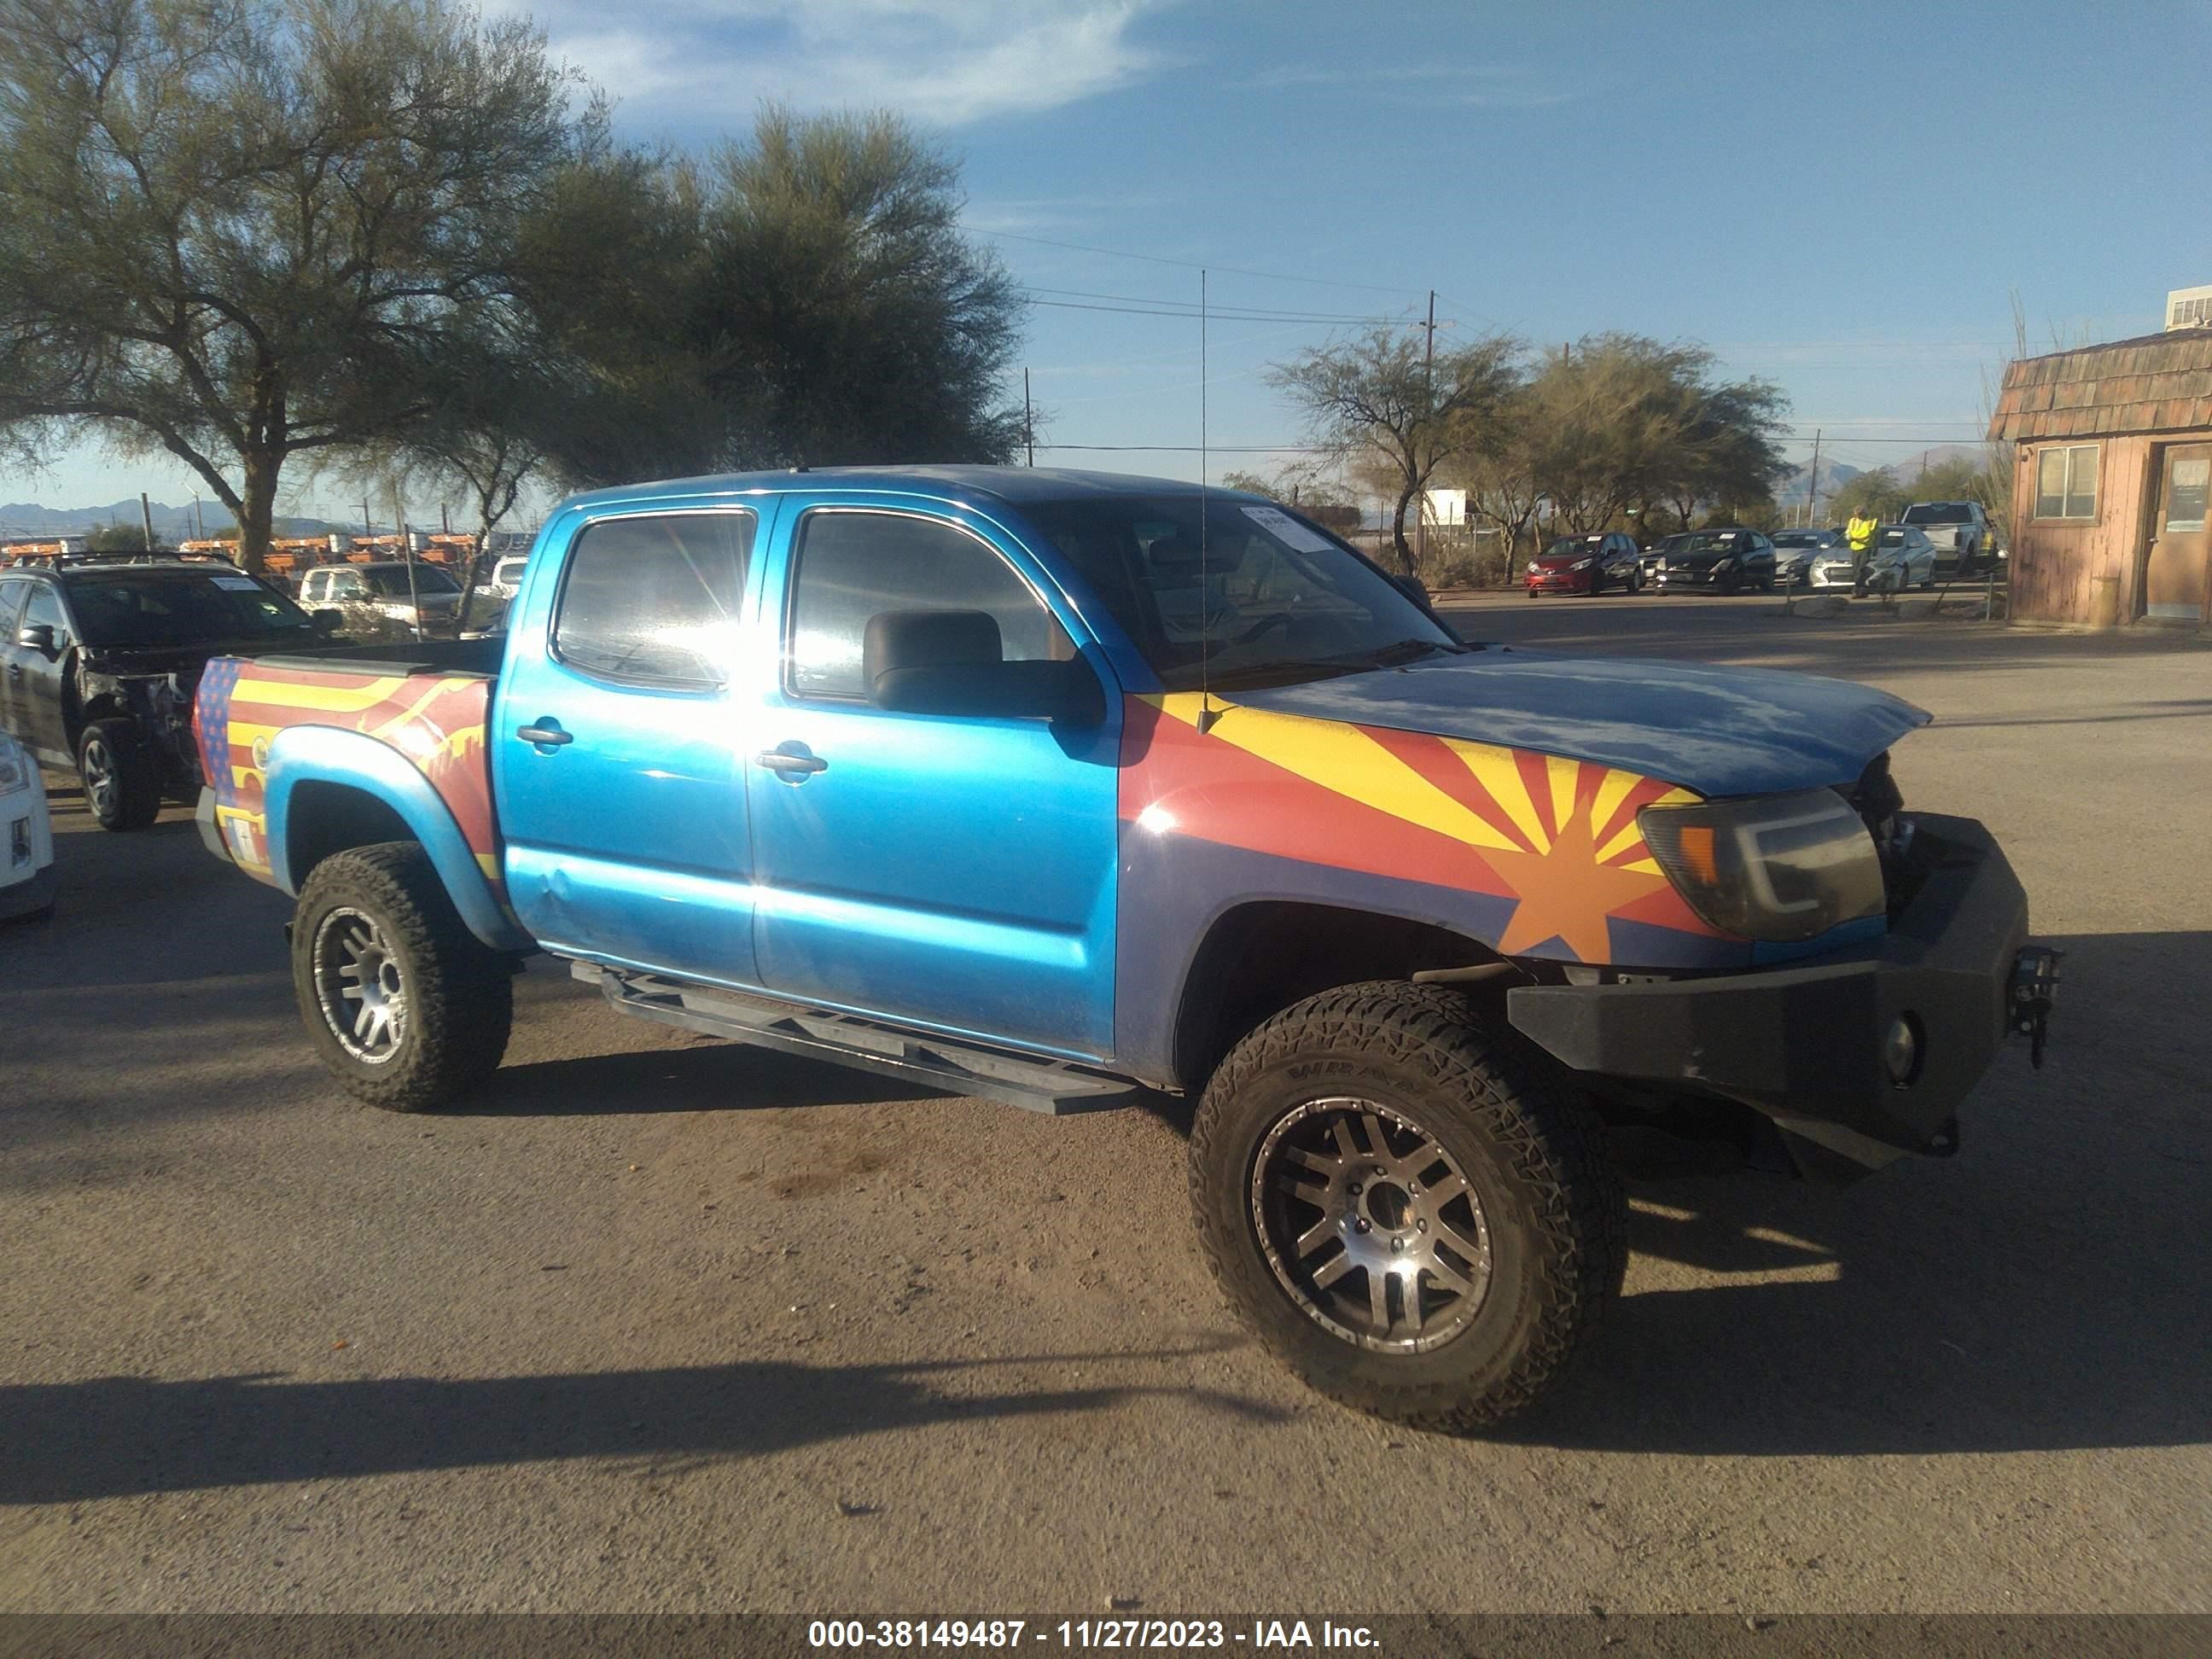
37 637
952 662
327 620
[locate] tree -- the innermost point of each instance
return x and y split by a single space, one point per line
116 538
839 315
1377 394
1877 493
242 232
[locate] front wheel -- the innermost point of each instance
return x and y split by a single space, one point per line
1400 1210
405 1007
122 784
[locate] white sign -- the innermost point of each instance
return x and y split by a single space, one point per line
237 584
1288 530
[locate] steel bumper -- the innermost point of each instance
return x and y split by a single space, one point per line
1807 1044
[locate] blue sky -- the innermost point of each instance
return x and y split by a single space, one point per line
1840 198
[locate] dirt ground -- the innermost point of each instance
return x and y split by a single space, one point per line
663 1324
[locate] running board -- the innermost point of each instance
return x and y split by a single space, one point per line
928 1062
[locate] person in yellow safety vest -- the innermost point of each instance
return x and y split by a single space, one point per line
1859 533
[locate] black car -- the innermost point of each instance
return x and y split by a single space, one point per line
1718 561
100 659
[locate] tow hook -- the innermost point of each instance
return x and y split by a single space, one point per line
2034 989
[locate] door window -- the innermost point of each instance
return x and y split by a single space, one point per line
11 601
654 600
852 565
46 606
2185 492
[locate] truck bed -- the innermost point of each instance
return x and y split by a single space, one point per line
426 702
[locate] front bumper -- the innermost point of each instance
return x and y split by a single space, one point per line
1804 1044
1565 581
30 896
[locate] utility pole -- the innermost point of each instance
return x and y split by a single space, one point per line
145 513
1813 480
1429 394
199 526
1029 422
368 526
445 518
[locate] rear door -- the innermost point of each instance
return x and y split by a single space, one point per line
2180 565
954 872
616 745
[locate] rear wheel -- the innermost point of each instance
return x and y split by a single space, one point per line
1400 1210
122 784
406 1007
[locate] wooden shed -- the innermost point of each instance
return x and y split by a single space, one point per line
2114 471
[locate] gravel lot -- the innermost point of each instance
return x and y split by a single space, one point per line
663 1324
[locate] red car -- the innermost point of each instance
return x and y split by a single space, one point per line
1586 564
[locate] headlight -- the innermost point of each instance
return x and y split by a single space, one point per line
1581 564
13 773
1778 868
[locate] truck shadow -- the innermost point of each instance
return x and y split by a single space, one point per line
120 1435
2044 1290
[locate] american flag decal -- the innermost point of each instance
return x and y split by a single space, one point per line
436 721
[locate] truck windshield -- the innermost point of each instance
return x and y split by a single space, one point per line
1273 599
1938 513
179 608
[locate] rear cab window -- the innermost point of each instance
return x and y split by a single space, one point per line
655 600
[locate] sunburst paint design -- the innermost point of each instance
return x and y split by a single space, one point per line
1556 839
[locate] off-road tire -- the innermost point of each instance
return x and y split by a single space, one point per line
1532 1152
459 992
121 781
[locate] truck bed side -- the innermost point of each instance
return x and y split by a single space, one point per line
430 710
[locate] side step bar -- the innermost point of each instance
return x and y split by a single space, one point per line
928 1062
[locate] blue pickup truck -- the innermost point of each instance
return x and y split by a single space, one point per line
1056 788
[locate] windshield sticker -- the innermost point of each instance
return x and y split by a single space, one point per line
1288 530
1727 535
237 584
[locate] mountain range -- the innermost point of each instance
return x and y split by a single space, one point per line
30 519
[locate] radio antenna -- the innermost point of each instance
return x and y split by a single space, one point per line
1206 713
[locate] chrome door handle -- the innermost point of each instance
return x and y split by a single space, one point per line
790 765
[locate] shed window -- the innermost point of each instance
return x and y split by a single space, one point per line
2066 481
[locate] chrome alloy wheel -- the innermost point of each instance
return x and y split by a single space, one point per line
102 789
359 986
1370 1225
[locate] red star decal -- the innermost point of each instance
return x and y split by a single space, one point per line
1566 894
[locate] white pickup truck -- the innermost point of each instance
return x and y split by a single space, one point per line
1960 531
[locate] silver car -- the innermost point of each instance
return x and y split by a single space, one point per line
1902 557
1795 551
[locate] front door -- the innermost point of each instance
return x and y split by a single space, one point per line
954 872
37 710
2174 575
616 750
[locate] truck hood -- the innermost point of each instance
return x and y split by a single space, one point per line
1716 730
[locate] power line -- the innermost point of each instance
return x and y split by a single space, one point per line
1193 264
1194 449
1184 308
1192 316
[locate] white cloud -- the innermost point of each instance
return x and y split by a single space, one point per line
948 64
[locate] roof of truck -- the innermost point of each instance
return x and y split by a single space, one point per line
1005 484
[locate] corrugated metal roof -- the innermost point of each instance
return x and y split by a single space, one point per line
2155 383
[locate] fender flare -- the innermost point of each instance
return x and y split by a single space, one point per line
324 754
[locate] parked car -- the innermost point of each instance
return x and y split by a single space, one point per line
1720 562
1051 787
421 595
1653 559
26 872
101 656
1958 531
1795 551
1903 558
506 578
1586 564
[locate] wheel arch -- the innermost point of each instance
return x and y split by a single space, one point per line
1259 957
327 791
